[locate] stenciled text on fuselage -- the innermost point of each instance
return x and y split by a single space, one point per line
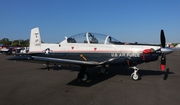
125 54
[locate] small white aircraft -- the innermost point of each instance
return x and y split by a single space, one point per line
6 50
177 47
92 49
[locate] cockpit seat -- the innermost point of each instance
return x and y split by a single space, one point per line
71 40
94 40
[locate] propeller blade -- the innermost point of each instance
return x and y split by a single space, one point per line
163 39
163 62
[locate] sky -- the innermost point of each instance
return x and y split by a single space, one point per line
126 20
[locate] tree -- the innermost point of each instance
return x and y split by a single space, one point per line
15 43
19 42
5 41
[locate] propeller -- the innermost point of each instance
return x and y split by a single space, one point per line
163 39
163 62
163 56
163 51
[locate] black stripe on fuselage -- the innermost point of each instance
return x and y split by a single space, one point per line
107 58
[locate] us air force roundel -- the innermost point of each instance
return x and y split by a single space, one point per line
47 51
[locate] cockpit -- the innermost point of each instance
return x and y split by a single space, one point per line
92 38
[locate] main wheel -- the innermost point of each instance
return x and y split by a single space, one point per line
103 70
85 78
135 76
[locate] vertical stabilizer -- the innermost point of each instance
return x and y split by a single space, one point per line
35 40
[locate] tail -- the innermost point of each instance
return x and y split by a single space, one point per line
35 40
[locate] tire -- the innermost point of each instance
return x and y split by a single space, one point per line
135 77
103 70
86 77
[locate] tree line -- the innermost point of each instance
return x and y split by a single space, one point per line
17 43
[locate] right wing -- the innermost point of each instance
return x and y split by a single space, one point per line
42 60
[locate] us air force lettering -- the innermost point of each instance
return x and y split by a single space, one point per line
120 54
94 50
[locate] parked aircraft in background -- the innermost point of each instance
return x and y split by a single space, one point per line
177 47
24 50
91 49
5 50
14 50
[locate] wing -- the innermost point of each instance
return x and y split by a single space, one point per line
58 61
44 60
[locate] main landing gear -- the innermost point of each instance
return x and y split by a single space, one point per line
83 75
48 65
103 70
135 76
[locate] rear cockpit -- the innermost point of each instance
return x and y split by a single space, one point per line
92 38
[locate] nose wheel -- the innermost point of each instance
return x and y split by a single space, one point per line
135 76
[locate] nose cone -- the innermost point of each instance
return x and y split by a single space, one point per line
167 50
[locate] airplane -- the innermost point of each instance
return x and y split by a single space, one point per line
13 50
6 50
94 50
177 47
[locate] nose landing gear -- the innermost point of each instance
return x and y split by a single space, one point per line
135 76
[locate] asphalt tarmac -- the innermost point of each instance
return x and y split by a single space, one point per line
32 84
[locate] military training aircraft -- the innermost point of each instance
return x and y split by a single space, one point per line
90 50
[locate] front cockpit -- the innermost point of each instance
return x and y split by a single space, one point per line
92 38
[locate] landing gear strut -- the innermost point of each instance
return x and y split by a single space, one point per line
48 65
83 75
135 76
